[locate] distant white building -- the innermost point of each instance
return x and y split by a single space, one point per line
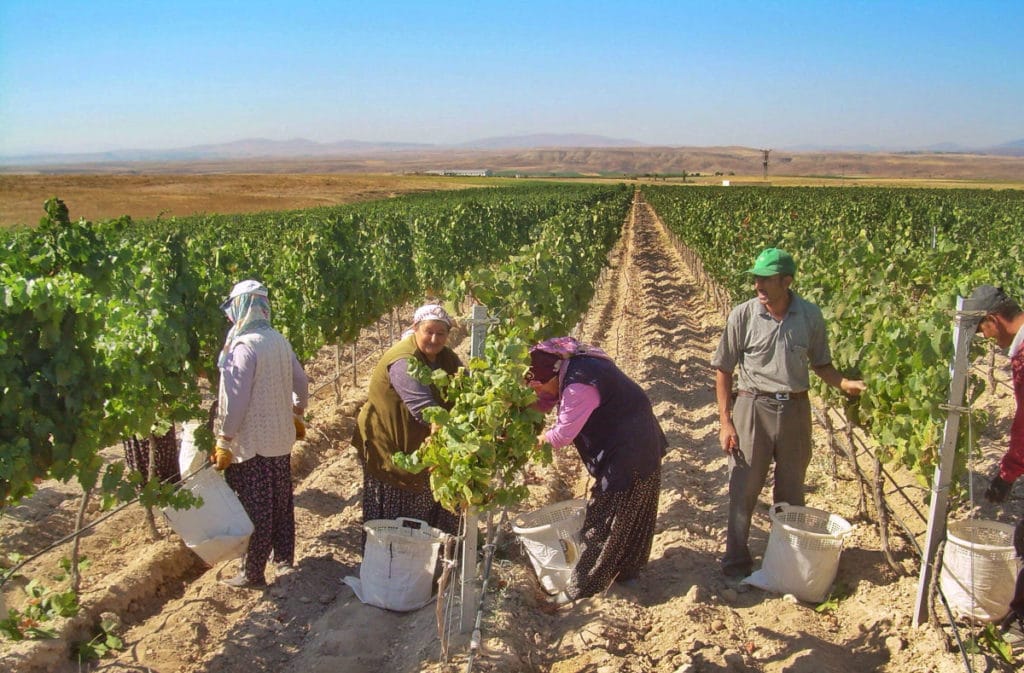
462 173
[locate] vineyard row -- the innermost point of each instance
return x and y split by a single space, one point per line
106 328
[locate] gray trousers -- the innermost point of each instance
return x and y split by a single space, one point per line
768 430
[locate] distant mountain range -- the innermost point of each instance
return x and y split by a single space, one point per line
249 148
255 148
297 148
542 140
1014 148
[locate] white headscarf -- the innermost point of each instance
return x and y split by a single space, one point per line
428 312
431 312
249 311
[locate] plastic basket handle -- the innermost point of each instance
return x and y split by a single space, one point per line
407 522
570 551
847 532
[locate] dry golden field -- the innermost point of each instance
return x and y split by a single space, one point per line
103 191
103 196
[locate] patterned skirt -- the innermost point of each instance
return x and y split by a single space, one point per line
618 530
264 487
383 501
165 455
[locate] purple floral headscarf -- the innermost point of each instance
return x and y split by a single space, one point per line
546 357
546 360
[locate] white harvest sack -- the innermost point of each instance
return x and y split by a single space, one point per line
397 571
803 552
551 537
219 529
190 458
979 569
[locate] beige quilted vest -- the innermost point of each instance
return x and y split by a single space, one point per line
268 429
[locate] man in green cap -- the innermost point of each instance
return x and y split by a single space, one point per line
769 344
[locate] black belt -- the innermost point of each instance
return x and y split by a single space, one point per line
775 396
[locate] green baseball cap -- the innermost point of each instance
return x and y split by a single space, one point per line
773 261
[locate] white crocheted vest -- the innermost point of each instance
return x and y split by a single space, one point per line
267 428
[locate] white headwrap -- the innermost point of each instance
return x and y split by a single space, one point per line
249 311
431 312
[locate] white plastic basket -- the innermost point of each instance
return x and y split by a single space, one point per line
399 558
979 569
802 557
551 537
808 528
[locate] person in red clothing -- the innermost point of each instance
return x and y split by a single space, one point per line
1003 322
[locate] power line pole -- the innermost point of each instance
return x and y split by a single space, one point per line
764 164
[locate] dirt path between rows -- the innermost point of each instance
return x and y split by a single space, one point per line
652 316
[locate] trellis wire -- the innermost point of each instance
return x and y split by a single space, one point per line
10 573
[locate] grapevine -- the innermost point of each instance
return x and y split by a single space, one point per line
106 329
477 454
481 445
886 267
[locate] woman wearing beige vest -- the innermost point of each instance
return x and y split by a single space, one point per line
262 387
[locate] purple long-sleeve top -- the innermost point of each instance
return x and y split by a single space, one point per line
415 395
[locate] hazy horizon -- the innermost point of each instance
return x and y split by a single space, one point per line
298 148
107 76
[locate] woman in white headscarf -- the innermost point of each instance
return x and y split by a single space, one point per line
262 387
391 421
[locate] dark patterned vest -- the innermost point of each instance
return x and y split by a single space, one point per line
622 439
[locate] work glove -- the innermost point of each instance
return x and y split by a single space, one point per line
221 457
998 489
300 427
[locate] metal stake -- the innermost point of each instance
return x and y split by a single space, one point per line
468 572
963 331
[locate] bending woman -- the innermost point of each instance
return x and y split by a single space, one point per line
610 420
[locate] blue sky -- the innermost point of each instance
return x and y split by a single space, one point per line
86 76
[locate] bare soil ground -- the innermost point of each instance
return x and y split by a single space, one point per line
653 315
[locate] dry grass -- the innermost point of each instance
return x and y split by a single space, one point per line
100 197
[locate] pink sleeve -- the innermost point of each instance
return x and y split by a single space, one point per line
578 401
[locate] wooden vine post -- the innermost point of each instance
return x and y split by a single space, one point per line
150 476
964 328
